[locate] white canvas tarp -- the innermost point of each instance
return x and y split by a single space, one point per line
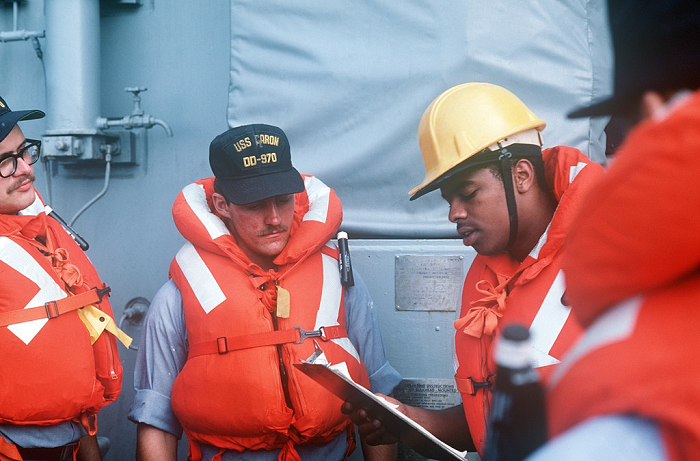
348 81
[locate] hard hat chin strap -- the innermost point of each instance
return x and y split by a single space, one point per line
505 157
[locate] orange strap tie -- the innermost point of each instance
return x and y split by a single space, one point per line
288 452
52 309
297 335
482 318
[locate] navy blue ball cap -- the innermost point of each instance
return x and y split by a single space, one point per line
252 163
9 118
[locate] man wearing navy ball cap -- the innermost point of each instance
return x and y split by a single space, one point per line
252 291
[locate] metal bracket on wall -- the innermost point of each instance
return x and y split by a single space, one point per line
90 149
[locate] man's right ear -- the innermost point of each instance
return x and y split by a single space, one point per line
220 203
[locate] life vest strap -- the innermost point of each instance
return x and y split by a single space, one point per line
52 309
352 442
296 335
470 386
8 451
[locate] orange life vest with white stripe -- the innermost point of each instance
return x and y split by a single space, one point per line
230 393
499 290
49 371
632 267
637 358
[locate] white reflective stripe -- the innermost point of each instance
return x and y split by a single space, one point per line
535 253
16 257
616 324
35 208
197 200
346 344
331 293
205 287
329 307
548 323
575 170
319 197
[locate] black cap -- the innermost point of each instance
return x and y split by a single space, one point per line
253 162
656 46
9 118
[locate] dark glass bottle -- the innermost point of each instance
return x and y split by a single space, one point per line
517 424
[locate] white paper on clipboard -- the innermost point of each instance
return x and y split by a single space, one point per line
336 380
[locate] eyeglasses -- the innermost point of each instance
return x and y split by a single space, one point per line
29 153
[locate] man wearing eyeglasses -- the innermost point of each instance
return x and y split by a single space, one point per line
19 193
58 367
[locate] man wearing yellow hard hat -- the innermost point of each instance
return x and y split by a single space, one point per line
513 202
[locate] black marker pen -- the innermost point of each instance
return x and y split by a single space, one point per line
78 239
346 278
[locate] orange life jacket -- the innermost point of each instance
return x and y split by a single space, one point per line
230 392
638 358
499 290
632 271
49 371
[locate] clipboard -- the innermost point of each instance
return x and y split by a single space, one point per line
336 380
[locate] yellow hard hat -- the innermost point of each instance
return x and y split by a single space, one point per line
462 122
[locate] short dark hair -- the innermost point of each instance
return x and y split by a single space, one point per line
218 190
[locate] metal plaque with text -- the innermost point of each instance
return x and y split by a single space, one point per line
434 394
428 282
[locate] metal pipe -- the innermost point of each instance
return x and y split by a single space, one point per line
130 122
108 169
137 119
165 126
17 35
73 66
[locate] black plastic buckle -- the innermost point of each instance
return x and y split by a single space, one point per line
51 306
478 385
304 334
104 291
222 345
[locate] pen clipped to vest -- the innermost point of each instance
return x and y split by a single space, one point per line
346 278
78 239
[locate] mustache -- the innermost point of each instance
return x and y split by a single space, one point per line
16 184
272 230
